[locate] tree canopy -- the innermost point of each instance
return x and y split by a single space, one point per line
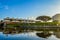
43 18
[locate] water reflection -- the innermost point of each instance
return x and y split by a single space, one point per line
30 35
44 34
57 34
47 34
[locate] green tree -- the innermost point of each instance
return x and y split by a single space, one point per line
43 18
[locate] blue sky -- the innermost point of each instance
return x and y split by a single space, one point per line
28 8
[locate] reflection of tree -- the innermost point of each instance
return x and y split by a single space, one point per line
12 30
57 34
43 34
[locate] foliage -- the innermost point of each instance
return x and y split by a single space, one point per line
43 18
33 24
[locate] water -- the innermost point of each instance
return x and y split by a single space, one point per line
31 36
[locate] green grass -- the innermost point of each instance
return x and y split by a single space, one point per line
33 24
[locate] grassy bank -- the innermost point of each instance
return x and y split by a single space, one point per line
33 24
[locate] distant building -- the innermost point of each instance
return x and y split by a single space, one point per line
9 20
56 18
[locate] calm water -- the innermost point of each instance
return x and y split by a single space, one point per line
31 36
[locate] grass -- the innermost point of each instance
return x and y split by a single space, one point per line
33 24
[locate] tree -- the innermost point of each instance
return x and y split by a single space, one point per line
43 18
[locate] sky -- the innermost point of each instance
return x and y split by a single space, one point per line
28 8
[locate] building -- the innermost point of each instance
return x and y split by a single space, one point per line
10 20
56 18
